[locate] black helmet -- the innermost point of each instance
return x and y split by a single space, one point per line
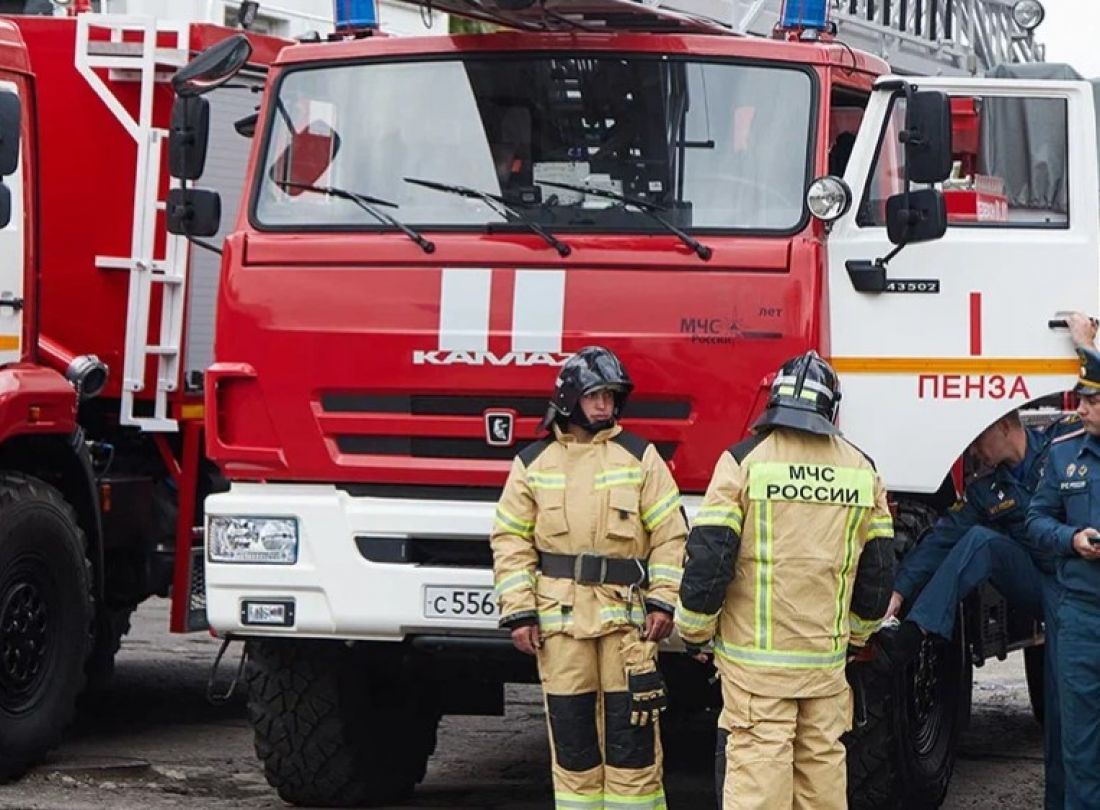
804 396
591 369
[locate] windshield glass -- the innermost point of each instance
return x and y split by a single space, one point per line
714 145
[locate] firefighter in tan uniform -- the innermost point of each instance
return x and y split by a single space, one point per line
587 551
789 562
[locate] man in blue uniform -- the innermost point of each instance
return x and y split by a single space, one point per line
983 538
1063 520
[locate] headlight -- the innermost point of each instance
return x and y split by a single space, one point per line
1028 14
828 198
252 540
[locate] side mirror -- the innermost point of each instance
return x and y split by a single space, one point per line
246 126
919 216
11 122
927 137
193 211
213 67
188 137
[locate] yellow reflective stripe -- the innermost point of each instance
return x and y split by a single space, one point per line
787 659
729 516
613 614
763 633
882 526
555 619
690 620
863 627
513 582
805 393
811 483
665 573
541 480
668 503
513 524
855 516
648 801
570 801
625 475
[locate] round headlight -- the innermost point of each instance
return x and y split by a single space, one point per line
828 198
1028 14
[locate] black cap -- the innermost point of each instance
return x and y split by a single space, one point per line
1088 380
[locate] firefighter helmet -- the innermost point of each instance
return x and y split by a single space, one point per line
591 369
804 396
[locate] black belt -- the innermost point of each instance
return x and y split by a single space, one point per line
594 569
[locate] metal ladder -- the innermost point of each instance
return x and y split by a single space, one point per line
131 53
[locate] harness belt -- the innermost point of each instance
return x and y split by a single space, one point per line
594 569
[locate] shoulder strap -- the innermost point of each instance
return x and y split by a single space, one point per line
741 450
532 451
632 443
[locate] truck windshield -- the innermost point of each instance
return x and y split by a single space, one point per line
712 145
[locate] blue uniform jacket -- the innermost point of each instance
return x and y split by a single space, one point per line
997 500
1068 500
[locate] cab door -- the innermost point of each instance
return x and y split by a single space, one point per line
13 234
963 331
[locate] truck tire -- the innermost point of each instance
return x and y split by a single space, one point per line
46 615
1033 669
904 753
333 730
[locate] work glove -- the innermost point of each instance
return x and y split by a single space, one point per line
648 694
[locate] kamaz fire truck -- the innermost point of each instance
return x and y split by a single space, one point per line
101 316
431 226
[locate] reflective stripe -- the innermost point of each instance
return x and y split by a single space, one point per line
625 475
621 614
882 526
665 573
788 391
862 627
575 800
791 380
541 480
690 620
811 483
787 659
513 582
513 524
764 522
555 619
650 801
729 516
668 503
855 517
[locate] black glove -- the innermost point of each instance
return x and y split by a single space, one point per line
649 697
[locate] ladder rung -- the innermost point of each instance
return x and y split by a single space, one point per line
166 278
164 351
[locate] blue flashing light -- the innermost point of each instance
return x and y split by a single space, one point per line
805 14
351 15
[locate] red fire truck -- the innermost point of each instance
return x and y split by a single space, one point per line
432 225
101 469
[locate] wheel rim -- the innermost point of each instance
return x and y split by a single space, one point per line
25 623
927 700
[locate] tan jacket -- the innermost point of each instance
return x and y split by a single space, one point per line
790 559
568 497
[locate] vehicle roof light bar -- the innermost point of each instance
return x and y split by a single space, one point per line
351 16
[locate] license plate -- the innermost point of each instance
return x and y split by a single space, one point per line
277 613
459 603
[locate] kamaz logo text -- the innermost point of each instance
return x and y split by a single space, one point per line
442 358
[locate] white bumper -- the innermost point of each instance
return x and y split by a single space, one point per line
337 592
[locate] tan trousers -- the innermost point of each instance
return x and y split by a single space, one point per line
784 752
600 761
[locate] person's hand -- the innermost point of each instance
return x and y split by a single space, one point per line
1082 545
526 638
1082 329
895 605
658 626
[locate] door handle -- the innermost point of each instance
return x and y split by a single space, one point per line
1062 323
15 303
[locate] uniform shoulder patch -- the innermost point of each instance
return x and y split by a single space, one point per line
632 443
741 450
1067 436
532 451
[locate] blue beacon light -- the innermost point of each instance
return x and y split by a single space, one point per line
354 15
802 14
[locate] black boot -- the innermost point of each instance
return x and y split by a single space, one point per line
897 647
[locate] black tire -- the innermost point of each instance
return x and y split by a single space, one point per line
1033 669
46 614
334 731
903 755
111 624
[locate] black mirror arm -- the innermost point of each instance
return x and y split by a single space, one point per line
194 240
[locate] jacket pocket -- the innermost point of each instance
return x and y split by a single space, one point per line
1077 508
622 517
550 521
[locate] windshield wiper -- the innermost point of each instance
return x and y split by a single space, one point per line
646 207
497 204
368 204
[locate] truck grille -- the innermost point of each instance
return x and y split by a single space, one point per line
446 405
